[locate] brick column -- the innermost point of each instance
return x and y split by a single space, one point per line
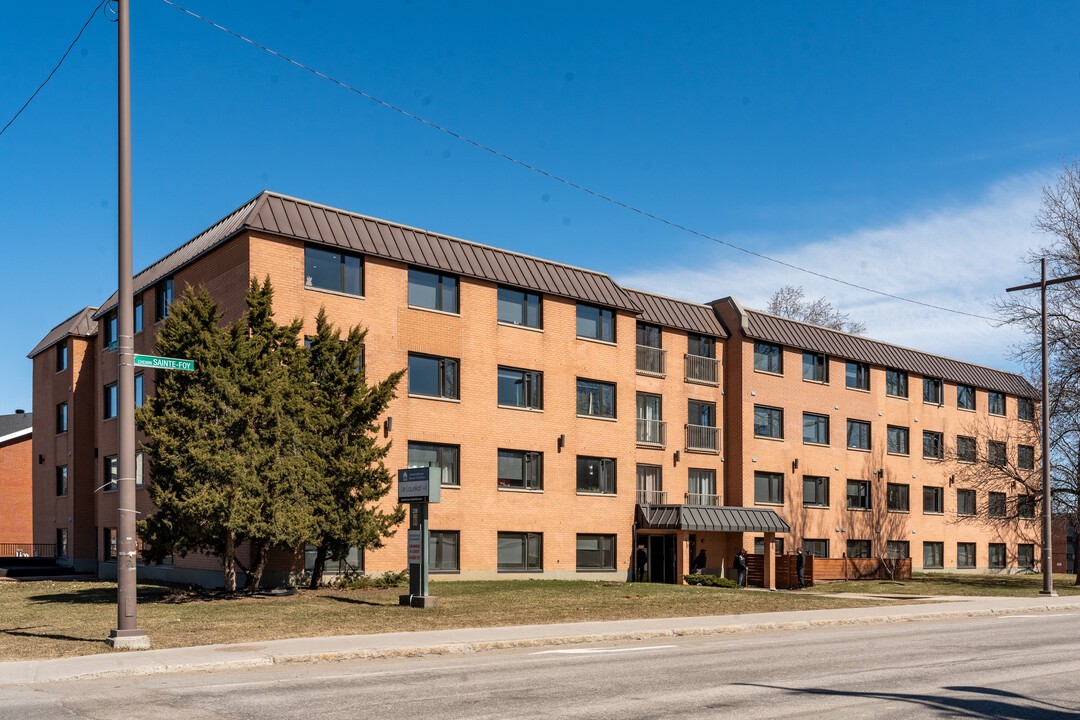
682 557
769 562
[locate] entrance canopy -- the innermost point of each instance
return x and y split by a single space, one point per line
710 519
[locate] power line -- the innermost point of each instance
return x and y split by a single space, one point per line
62 59
569 183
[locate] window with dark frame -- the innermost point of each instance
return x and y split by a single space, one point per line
896 440
108 536
769 488
702 482
996 504
897 497
650 480
933 445
444 461
701 345
965 397
965 555
897 549
140 390
996 555
595 398
1025 457
768 358
520 552
816 547
521 470
139 461
1025 506
595 552
933 554
858 435
109 400
444 551
965 502
163 297
433 376
933 500
858 495
1025 556
333 270
857 375
815 428
61 355
433 291
595 323
649 335
520 388
1025 409
111 330
896 383
932 391
111 473
768 422
858 548
137 320
519 307
759 546
815 491
965 449
996 453
995 403
61 481
701 413
596 475
815 368
61 418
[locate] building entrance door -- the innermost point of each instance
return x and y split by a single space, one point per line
661 562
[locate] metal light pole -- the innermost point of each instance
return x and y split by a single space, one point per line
127 633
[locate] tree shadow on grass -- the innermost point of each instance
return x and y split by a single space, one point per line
354 601
990 703
147 593
23 632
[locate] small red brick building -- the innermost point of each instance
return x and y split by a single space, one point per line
16 483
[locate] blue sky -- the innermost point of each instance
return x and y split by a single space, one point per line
897 145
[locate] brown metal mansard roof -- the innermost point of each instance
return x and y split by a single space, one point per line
700 518
680 314
81 324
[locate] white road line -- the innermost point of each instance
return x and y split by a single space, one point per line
596 651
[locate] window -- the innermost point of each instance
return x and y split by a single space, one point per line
897 440
596 475
649 335
140 392
759 546
857 376
61 542
521 470
814 367
965 397
858 494
595 323
137 321
995 403
1025 457
896 383
519 307
1025 555
932 391
595 398
858 435
61 480
996 455
111 473
996 556
815 429
61 418
701 345
1025 409
444 551
858 548
933 500
108 540
521 552
768 358
521 388
139 469
110 401
965 502
897 549
61 355
995 505
816 548
897 497
595 552
702 484
1025 506
650 419
815 491
701 413
933 445
768 422
965 554
933 554
433 291
433 376
650 483
769 487
444 461
352 562
163 296
336 271
965 449
110 330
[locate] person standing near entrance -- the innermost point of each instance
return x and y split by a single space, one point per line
699 562
641 559
800 568
740 567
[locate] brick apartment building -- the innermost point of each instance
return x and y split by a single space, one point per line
16 483
570 420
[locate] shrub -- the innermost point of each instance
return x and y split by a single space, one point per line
387 579
710 580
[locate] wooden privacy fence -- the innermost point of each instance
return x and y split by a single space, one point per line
863 568
786 575
27 550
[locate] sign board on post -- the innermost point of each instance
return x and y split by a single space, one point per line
415 547
163 363
414 486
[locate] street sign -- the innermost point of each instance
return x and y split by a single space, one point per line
415 548
414 486
163 363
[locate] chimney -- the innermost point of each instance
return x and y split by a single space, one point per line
20 411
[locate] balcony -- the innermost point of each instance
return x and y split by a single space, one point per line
652 497
702 370
652 433
703 499
651 361
702 438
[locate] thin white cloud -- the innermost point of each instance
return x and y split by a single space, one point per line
956 256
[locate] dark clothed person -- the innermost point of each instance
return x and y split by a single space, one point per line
800 568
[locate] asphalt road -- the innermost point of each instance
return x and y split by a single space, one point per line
987 667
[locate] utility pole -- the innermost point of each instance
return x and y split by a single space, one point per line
127 633
1048 528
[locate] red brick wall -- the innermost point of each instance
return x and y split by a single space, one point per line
16 491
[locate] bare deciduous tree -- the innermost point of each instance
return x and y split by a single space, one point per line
791 302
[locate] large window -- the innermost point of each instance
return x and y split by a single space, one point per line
111 328
815 428
897 549
815 491
519 307
933 554
815 368
701 345
995 403
595 398
111 473
650 419
649 335
897 497
965 397
595 323
650 484
61 355
996 504
109 400
858 548
433 376
769 487
932 392
444 551
521 552
965 502
996 556
858 494
521 470
965 554
521 388
433 291
596 475
933 500
857 376
595 552
61 418
336 271
965 449
768 358
443 461
768 422
1025 506
759 546
163 297
1025 457
61 481
996 454
701 413
896 383
1025 409
1025 555
816 548
933 445
702 486
897 440
858 435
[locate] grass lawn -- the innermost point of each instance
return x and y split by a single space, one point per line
941 584
51 619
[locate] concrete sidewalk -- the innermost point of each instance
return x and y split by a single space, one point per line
438 642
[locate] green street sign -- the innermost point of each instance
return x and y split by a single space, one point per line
163 363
